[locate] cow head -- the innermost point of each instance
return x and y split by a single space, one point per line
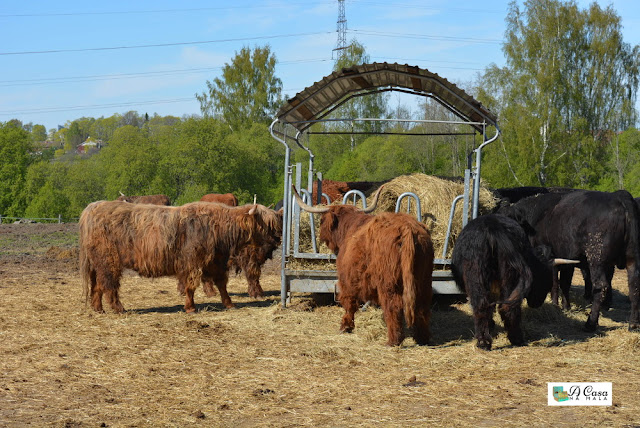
337 220
543 267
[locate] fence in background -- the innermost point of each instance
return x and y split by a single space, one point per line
59 219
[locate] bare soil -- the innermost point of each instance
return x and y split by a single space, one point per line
63 365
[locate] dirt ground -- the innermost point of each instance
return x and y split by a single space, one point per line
257 365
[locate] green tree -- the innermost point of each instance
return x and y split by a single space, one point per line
45 187
569 79
247 92
130 161
39 133
15 148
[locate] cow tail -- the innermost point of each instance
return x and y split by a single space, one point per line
409 287
632 218
83 259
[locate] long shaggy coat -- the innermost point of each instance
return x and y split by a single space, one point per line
146 199
192 242
494 263
386 259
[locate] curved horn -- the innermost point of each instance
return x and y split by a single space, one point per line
255 198
121 194
375 201
557 262
308 208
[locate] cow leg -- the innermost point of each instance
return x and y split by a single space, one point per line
252 273
588 284
393 313
600 285
421 332
189 304
482 318
181 288
207 287
633 277
350 306
221 281
190 282
95 293
113 295
606 303
555 285
109 284
511 314
483 309
566 276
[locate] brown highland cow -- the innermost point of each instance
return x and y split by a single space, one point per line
386 259
192 242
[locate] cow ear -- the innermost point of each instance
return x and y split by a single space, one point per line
333 220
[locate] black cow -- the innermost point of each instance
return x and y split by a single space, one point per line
598 228
494 262
511 195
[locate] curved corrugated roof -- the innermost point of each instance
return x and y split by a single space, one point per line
315 101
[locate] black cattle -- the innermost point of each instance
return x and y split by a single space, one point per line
494 263
529 212
511 195
598 228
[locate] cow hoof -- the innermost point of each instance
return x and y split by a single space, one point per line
484 345
634 326
190 310
590 327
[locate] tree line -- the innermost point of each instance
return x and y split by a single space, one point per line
565 102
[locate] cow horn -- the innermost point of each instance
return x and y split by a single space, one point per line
375 201
121 194
255 198
557 262
309 208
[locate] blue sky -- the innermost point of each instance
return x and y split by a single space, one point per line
63 60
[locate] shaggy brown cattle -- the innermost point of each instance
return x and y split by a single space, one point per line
192 242
336 189
386 259
250 259
146 199
226 198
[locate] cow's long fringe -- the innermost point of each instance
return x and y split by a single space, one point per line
408 261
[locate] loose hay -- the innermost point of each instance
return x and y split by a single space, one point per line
261 365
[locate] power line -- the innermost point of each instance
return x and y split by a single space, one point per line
426 36
147 11
121 76
95 106
423 7
166 44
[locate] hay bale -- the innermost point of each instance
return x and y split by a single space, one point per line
436 196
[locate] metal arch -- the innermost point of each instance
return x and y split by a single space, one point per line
307 198
410 195
355 194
